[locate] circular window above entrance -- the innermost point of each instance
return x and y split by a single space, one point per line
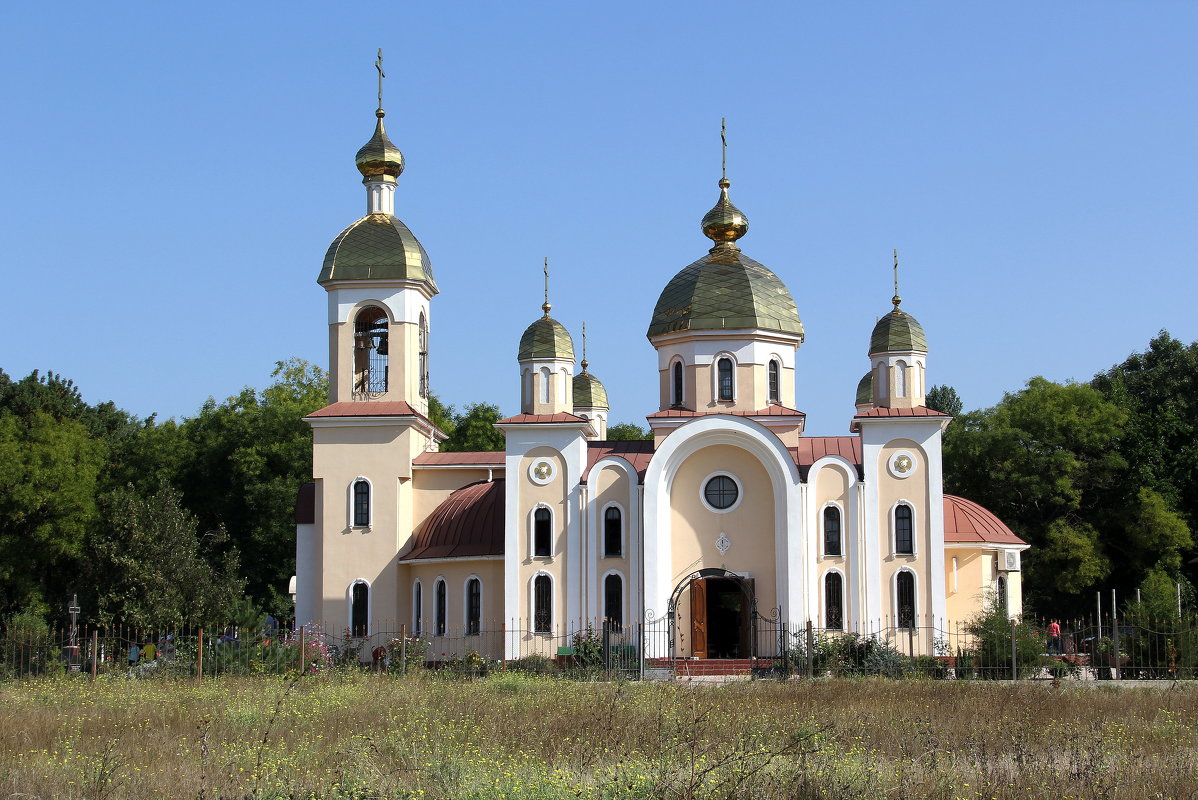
721 492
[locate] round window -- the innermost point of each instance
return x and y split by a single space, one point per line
721 492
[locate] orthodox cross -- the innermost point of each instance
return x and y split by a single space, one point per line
896 299
378 64
584 344
723 148
546 307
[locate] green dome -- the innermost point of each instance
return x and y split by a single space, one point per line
897 332
588 391
865 390
379 158
725 289
546 338
377 247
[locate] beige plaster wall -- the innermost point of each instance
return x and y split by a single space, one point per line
751 390
914 491
553 495
489 641
750 526
832 486
432 486
972 582
608 485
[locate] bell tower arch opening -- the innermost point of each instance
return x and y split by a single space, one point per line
371 352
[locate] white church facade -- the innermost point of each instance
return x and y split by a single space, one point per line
728 513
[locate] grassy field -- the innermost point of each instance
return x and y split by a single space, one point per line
511 736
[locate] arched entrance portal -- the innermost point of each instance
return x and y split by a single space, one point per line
718 618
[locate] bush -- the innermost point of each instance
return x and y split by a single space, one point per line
993 632
533 665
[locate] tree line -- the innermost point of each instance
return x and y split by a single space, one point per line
153 522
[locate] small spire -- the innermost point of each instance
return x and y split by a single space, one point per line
896 299
546 307
378 64
584 345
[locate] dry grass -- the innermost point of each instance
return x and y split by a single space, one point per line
516 737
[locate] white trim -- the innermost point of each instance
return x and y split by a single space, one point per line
473 576
844 597
349 608
532 603
532 532
623 595
900 379
773 361
675 362
894 598
740 491
632 506
715 376
548 477
623 530
894 529
440 579
892 464
369 504
417 619
823 534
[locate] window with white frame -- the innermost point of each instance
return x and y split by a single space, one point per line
834 601
724 378
904 599
613 601
542 533
417 608
774 382
361 503
359 609
613 532
474 606
440 607
904 530
542 604
832 531
677 383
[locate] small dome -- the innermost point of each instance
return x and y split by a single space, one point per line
377 247
546 338
725 222
865 390
899 332
589 391
379 157
966 521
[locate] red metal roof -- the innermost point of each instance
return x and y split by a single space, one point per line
305 505
637 452
526 418
491 458
813 448
966 521
918 411
467 523
768 411
395 408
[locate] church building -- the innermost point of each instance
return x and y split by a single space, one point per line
727 516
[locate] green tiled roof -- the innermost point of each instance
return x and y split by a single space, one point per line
725 289
546 338
898 331
588 391
377 247
379 156
865 390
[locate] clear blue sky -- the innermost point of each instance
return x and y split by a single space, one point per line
173 175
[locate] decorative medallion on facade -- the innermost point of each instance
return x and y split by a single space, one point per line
903 464
542 472
723 543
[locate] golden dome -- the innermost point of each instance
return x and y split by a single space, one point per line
379 158
725 222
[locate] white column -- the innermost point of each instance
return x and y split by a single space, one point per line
380 198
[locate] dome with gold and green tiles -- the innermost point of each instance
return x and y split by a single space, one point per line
379 157
588 390
546 339
898 332
865 390
725 289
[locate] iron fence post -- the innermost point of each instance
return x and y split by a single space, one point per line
810 650
1014 662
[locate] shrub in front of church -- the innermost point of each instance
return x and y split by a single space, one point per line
406 655
993 636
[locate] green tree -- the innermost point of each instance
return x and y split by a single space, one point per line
944 398
627 432
475 431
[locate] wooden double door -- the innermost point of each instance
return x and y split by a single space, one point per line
721 618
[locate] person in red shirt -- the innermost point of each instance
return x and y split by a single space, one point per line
1054 637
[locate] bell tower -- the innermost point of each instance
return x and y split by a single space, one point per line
379 282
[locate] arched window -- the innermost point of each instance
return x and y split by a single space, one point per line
370 352
832 531
834 601
474 606
904 540
423 356
542 533
542 604
904 587
613 533
613 601
439 609
678 383
900 379
724 370
417 609
775 395
359 609
1000 593
361 503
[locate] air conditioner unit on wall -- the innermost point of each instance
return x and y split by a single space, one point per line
1011 560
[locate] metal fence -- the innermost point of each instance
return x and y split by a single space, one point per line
1130 647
